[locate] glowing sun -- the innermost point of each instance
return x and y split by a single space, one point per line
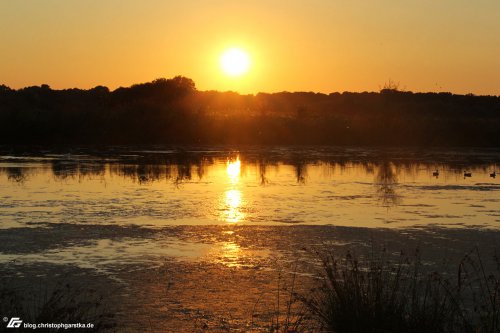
235 62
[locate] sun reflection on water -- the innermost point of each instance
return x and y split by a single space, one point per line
233 170
230 254
232 200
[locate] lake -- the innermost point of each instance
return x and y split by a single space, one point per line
205 223
316 186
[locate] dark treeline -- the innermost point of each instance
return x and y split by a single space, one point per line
173 111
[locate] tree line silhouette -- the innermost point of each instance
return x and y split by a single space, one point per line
174 111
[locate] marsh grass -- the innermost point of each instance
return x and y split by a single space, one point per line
285 312
289 315
64 303
381 293
477 293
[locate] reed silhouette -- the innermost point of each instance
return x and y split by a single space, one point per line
385 293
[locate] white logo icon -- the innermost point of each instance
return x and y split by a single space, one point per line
14 322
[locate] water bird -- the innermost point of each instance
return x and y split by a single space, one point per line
467 174
436 173
493 174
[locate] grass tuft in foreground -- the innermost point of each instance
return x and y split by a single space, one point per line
387 294
65 303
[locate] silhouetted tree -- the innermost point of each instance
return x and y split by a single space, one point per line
174 111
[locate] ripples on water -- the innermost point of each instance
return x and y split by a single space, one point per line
316 186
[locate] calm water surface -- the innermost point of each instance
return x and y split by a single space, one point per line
274 186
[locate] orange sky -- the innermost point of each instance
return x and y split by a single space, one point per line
315 45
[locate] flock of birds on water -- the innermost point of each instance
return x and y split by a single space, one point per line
466 174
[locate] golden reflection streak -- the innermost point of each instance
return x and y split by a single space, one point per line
227 253
231 254
233 170
233 204
233 196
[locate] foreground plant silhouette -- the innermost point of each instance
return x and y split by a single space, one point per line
65 303
380 294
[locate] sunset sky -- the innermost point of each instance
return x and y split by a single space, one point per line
315 45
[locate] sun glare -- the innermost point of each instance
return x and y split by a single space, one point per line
235 62
233 169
